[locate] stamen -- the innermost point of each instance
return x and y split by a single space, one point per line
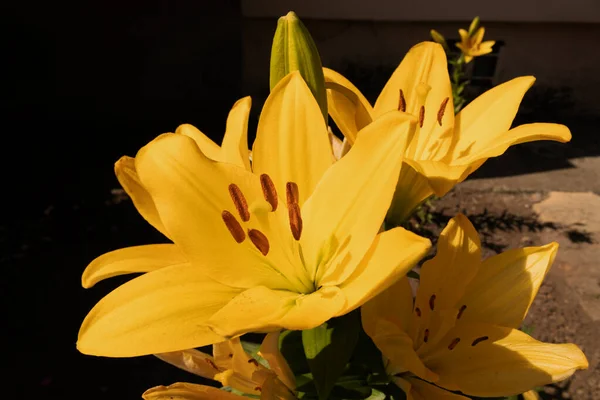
421 116
258 389
401 102
295 220
230 355
260 241
239 201
442 109
418 311
291 191
479 340
234 226
253 361
460 312
432 302
426 335
268 188
452 345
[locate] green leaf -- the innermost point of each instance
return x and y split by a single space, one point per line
294 50
376 395
292 349
328 349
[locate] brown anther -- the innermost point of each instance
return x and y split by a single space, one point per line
442 109
401 102
479 340
212 364
432 302
453 344
421 116
239 201
460 312
268 188
295 220
234 226
426 335
291 192
258 389
230 355
253 361
418 311
259 240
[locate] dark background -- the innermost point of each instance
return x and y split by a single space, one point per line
83 84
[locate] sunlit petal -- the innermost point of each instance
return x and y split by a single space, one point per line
269 350
421 390
395 304
234 148
188 391
209 148
192 361
131 260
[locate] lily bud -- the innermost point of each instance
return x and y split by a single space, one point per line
473 27
294 50
439 38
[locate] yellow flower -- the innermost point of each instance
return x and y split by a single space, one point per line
288 244
233 367
443 149
472 45
461 333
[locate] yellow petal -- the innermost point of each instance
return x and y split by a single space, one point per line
478 36
241 367
260 309
188 391
468 59
397 348
464 35
346 210
445 278
531 395
130 181
269 350
191 193
292 143
161 311
392 254
493 361
441 177
487 117
131 260
209 148
506 285
192 361
234 148
411 191
395 304
350 110
491 146
421 390
274 389
423 78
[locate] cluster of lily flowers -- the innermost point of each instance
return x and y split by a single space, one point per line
305 229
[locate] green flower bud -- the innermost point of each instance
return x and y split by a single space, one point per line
294 50
473 27
439 38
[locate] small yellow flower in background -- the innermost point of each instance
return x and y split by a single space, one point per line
289 242
461 333
531 395
443 148
471 41
233 367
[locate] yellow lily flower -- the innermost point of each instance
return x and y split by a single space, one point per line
461 333
288 244
233 367
473 45
443 149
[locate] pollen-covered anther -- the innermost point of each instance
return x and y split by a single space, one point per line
432 302
401 102
258 389
295 220
426 335
453 344
253 361
418 311
239 201
479 340
292 194
234 226
260 241
461 311
269 192
421 116
442 109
